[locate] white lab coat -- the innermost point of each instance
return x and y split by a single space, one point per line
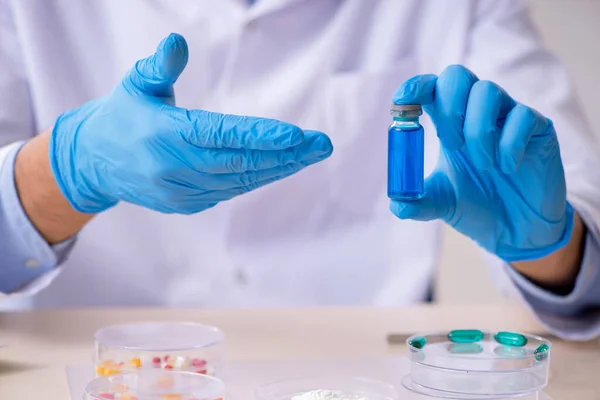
324 236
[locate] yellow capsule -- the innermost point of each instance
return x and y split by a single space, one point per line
111 371
99 370
165 382
136 362
120 388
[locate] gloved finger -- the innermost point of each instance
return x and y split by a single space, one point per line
439 201
522 123
450 105
488 103
227 161
256 179
217 131
419 89
155 75
249 178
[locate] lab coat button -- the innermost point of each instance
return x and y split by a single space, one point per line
250 25
32 264
240 277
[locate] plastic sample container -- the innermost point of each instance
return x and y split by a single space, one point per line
350 387
177 346
477 364
156 385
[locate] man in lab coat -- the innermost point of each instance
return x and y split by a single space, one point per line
108 189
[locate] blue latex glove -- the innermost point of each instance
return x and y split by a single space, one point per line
499 178
135 145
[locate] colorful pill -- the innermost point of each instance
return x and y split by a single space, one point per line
110 371
128 396
120 388
172 396
165 382
419 342
181 362
465 348
166 358
156 360
168 366
197 362
465 336
108 396
201 371
541 353
136 362
510 339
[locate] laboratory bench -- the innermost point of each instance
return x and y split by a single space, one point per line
39 344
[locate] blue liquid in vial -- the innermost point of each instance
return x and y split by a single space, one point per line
406 149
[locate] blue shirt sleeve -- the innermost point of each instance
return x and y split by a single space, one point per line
586 292
24 254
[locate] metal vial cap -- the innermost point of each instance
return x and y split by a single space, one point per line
406 110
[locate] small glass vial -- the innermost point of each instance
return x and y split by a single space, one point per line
406 152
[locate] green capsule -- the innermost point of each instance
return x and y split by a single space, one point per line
510 339
465 348
418 342
465 336
541 353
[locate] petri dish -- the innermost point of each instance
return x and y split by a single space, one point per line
173 346
466 363
358 388
156 385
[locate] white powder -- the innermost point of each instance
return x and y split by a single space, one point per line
322 394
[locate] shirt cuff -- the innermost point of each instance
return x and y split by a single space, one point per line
25 255
576 315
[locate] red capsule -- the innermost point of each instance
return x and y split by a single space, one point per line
168 366
166 358
197 362
156 360
201 371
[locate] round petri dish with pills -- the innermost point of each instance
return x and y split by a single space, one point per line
156 385
168 346
471 362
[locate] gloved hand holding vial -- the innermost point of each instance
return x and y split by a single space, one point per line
499 178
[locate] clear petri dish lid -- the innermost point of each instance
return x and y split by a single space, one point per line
352 387
471 363
156 385
419 392
159 336
479 351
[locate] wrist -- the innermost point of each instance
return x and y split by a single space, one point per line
558 270
43 202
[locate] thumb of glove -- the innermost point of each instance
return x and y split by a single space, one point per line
155 75
438 203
